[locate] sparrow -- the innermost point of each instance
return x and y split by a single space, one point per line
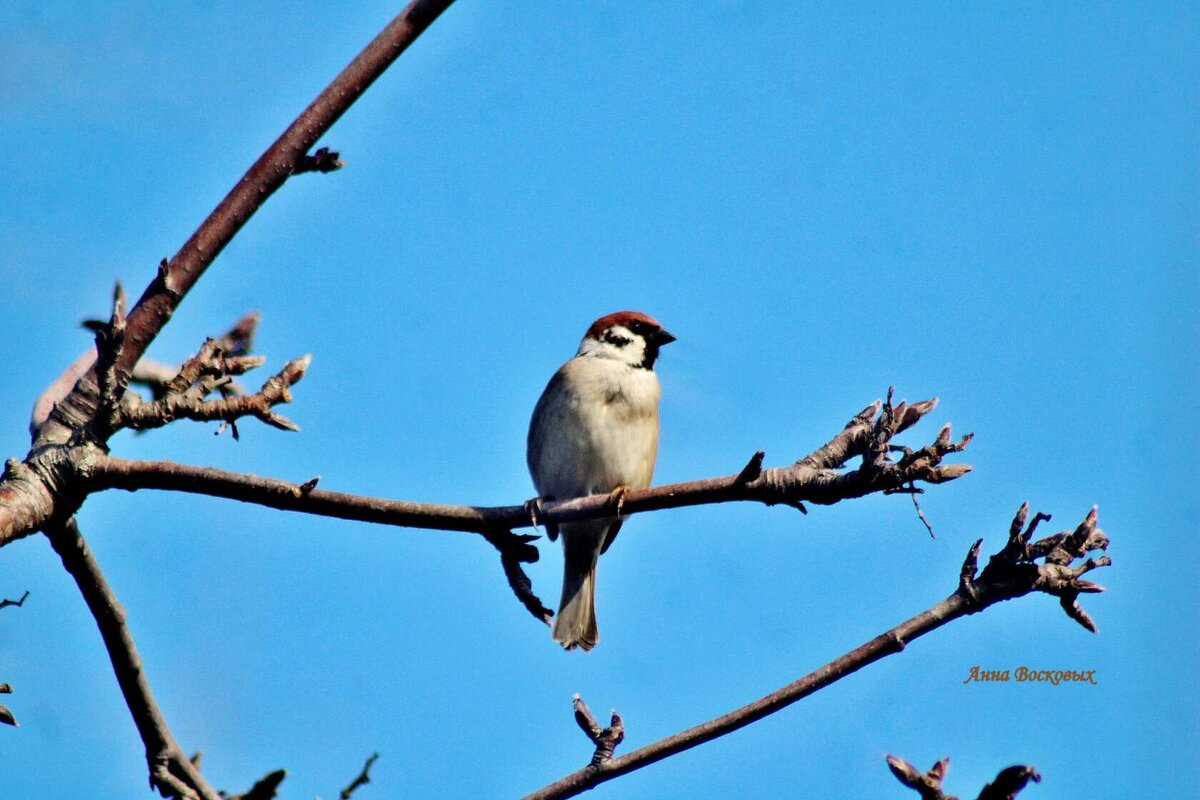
595 431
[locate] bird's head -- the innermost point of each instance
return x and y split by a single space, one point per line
627 336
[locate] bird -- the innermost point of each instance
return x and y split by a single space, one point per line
595 431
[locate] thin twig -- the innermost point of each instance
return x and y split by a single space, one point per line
363 778
1008 783
5 603
171 771
1004 579
265 788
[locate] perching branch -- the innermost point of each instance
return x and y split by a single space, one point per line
1011 573
171 771
815 479
1007 785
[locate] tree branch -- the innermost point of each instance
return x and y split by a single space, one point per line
40 492
815 478
285 157
5 603
362 779
171 772
1011 573
1007 785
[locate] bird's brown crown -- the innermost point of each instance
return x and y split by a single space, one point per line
630 319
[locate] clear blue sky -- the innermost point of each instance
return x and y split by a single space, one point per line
992 203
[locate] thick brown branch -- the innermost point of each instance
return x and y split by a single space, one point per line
281 160
171 772
800 482
1004 579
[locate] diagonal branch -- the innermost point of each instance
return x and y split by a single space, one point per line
1009 575
32 496
171 772
360 780
285 157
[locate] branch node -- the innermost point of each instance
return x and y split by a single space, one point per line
321 160
605 739
1014 571
110 341
753 468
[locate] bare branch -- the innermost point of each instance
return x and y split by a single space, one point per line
1004 579
515 550
323 160
171 771
605 739
209 370
265 788
5 603
928 784
363 778
1007 785
800 482
110 341
280 161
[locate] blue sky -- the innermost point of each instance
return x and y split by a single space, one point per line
992 204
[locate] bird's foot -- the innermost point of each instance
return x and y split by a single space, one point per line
533 508
617 498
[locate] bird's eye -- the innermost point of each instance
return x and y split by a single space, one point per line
616 338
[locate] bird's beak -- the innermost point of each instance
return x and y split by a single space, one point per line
663 337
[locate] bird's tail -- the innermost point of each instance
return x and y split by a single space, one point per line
575 625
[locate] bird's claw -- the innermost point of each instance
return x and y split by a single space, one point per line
533 508
617 498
